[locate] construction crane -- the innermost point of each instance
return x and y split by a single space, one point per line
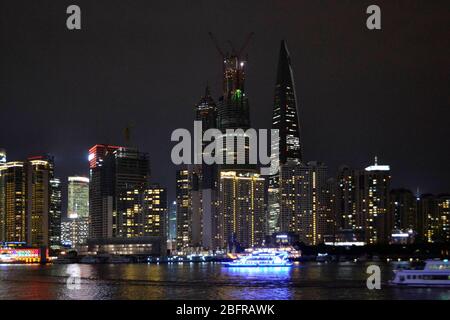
234 52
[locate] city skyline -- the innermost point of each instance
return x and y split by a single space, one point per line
204 153
338 98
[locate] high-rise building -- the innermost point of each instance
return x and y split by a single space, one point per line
443 215
285 120
184 209
428 216
434 216
54 232
346 199
2 196
443 203
373 203
77 197
305 201
285 109
241 206
239 190
132 212
101 190
233 112
13 201
114 171
156 215
403 210
204 182
172 221
39 173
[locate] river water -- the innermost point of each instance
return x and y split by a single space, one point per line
306 281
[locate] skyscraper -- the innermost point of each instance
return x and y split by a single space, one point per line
13 204
285 109
114 171
77 197
346 198
241 207
54 232
101 190
204 195
240 216
305 204
184 209
233 110
285 119
39 173
434 216
172 221
2 196
156 215
403 210
443 213
373 203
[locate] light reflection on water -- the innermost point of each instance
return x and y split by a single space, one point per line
202 281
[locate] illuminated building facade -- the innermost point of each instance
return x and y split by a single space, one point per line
101 190
204 182
403 210
184 209
13 201
172 222
443 215
428 216
285 120
305 201
54 232
241 206
74 232
285 109
373 203
38 191
434 215
345 209
114 171
77 197
156 215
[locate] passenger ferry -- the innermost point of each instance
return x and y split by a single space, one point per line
436 273
262 258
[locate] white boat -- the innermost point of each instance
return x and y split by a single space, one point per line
436 273
262 258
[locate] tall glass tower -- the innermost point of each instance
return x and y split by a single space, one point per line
285 111
285 119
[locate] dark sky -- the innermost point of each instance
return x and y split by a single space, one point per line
361 93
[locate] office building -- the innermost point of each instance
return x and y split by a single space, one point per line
77 197
55 212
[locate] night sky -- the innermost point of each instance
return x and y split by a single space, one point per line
146 63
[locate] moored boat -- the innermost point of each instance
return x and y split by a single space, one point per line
436 273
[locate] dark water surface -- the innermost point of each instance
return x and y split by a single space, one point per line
203 281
